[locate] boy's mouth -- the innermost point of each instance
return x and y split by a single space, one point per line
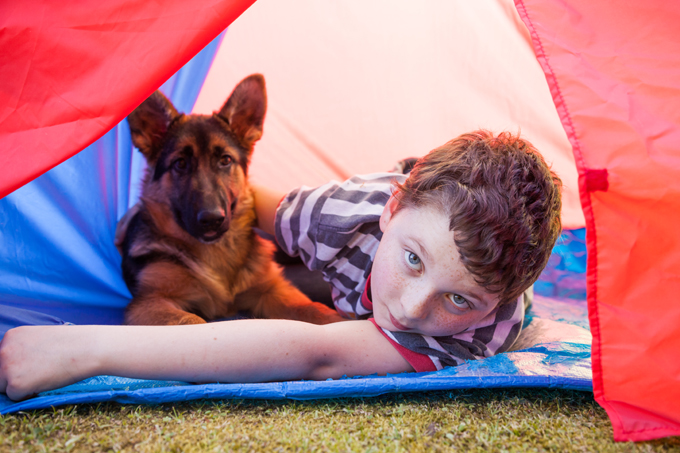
397 324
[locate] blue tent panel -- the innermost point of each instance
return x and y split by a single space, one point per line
57 255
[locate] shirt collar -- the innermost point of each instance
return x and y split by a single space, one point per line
366 295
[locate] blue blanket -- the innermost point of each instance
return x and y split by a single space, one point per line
555 362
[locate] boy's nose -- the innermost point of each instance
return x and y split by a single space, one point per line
417 307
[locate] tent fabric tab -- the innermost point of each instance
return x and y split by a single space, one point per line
596 180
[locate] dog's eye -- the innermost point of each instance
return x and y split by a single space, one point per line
226 160
180 164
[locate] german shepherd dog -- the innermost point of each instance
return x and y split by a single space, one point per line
190 253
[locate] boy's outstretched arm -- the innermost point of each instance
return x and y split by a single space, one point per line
39 358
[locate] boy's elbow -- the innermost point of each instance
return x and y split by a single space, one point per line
349 349
266 202
328 366
324 357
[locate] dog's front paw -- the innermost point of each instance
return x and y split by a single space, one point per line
321 314
190 319
331 319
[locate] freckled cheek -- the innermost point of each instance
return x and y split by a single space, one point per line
386 273
449 323
391 282
444 319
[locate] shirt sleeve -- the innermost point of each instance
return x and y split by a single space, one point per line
420 362
316 224
296 224
494 334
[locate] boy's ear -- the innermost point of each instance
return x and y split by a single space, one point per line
245 109
388 211
149 123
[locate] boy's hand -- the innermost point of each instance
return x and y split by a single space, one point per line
36 358
547 331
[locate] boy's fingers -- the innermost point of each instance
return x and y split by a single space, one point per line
17 395
8 368
3 372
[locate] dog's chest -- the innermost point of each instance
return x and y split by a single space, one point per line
228 271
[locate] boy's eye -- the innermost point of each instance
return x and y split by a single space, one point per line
412 260
459 301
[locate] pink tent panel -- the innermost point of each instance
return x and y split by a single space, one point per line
354 86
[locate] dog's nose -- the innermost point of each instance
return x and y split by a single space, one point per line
211 219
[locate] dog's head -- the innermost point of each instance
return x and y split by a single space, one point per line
198 163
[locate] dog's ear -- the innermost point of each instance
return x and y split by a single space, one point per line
244 110
149 122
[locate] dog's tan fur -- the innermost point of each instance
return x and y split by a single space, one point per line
176 277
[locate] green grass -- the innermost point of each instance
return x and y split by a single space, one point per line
472 420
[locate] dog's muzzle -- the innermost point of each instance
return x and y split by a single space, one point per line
212 224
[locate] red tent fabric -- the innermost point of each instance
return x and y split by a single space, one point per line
614 75
70 72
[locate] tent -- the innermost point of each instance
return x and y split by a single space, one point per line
353 87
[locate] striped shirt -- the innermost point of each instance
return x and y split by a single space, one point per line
335 229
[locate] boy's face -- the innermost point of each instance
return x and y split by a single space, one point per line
418 282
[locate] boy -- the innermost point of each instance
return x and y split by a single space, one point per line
439 259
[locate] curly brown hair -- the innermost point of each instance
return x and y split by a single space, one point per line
503 202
